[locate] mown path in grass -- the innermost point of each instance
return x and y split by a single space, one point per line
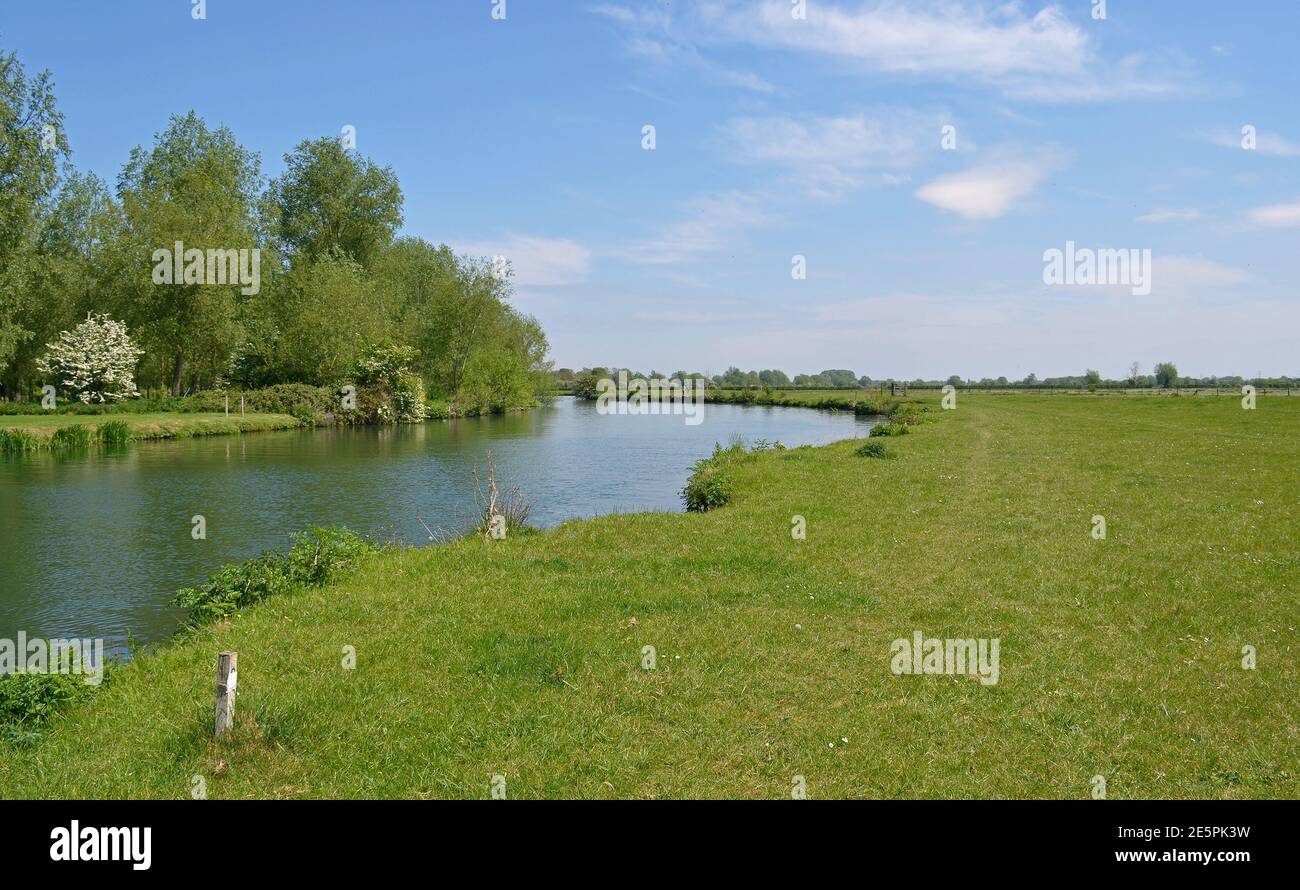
1119 657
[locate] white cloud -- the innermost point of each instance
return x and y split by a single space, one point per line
828 155
653 38
989 190
711 224
1188 214
537 262
1266 143
951 38
1044 56
1277 215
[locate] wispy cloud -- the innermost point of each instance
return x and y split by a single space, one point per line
1042 56
1187 214
653 38
991 188
828 155
536 261
1266 143
710 225
1277 216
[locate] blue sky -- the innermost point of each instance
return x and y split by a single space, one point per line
775 137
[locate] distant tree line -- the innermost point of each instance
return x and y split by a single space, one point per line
1164 375
334 283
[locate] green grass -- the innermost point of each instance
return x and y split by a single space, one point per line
56 429
1119 657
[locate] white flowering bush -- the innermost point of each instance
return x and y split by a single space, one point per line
95 361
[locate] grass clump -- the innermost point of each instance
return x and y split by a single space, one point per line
74 437
888 429
873 449
910 414
28 701
115 432
18 441
711 484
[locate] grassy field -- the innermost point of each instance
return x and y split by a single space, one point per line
1119 657
153 426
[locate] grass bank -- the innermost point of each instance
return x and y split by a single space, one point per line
23 431
1119 657
863 401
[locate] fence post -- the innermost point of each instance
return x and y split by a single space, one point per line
227 678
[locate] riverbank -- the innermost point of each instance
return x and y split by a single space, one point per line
38 430
28 432
524 658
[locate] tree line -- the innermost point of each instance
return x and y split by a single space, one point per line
332 282
1164 375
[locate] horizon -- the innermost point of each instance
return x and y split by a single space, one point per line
775 138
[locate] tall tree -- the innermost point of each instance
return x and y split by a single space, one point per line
329 312
66 278
32 143
197 186
1166 374
332 199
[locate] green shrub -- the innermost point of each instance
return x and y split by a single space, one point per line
76 436
28 701
18 440
297 399
316 557
115 432
708 487
910 415
873 449
888 429
304 414
710 483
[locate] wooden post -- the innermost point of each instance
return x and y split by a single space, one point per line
227 678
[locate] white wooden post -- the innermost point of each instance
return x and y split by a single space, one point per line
227 678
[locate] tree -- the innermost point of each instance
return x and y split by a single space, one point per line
199 187
838 378
95 361
332 199
1134 372
65 280
1091 377
773 377
1166 374
330 311
32 142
